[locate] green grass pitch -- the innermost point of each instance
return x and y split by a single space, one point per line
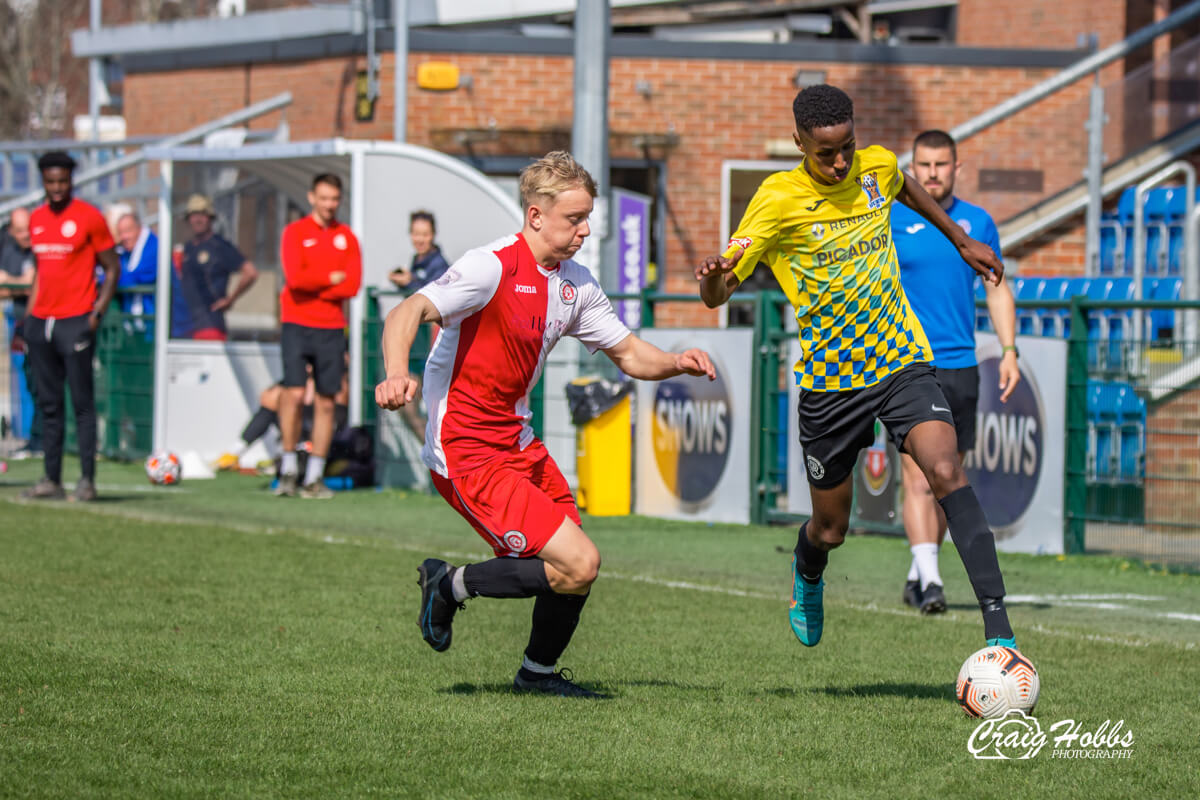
211 641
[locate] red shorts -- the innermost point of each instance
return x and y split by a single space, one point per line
209 335
516 502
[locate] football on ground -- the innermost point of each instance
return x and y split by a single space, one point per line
163 469
996 680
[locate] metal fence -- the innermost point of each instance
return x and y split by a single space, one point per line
124 385
1133 435
1132 443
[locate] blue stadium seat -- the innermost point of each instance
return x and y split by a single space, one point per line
983 321
1097 321
1120 323
1157 200
1112 247
1157 245
1176 206
1132 415
1027 319
1162 323
1050 321
1103 414
1125 205
1175 248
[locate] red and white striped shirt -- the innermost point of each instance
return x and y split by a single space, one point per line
502 314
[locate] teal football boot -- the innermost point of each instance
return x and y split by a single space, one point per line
807 613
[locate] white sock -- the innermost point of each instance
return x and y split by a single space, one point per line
315 470
533 666
458 585
914 574
288 466
926 556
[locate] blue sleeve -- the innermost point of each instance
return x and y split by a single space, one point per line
146 270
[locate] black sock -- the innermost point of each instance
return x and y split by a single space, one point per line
446 585
555 617
506 577
262 420
976 547
810 559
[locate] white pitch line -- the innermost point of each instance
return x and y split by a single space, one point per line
671 584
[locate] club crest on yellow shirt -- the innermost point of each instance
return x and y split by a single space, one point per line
870 186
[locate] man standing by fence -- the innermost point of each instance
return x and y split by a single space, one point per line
322 269
944 300
69 236
209 261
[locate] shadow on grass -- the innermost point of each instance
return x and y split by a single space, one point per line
474 689
922 691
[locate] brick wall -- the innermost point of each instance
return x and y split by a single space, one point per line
1173 455
1039 23
719 109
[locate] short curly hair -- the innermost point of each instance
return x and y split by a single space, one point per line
821 106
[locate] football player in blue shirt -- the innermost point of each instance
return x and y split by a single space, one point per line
942 293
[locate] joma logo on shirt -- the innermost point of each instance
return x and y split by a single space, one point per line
521 288
865 247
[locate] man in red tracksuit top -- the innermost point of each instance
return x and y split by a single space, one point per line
69 238
322 269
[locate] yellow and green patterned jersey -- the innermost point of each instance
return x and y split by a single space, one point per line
830 248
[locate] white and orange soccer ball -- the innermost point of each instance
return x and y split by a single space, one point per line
163 469
996 680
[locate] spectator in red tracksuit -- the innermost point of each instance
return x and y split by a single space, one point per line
69 237
322 269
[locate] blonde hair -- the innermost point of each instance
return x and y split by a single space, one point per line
551 175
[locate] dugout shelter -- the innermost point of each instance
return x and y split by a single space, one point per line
204 391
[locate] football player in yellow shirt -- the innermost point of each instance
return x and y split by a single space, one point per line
824 230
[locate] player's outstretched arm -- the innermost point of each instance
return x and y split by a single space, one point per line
399 330
639 359
717 281
978 255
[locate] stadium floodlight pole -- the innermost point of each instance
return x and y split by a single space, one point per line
1069 75
589 129
400 80
95 75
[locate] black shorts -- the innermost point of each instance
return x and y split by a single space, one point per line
322 348
960 387
835 426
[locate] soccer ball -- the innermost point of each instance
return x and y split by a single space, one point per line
163 469
997 680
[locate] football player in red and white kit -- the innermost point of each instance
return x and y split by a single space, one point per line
502 308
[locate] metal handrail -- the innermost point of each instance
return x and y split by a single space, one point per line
133 159
1069 75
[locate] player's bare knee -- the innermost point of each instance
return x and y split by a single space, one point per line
945 475
586 568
